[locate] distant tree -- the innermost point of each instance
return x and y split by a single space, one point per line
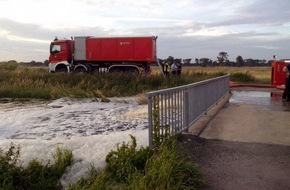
32 63
170 59
215 63
160 60
46 62
186 61
249 62
177 60
222 58
269 63
205 62
240 61
12 62
230 63
263 62
257 62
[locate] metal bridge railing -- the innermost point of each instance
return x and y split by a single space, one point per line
172 111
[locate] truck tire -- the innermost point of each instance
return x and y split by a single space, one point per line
81 69
124 69
115 70
61 69
133 70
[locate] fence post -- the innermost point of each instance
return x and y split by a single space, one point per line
185 110
150 129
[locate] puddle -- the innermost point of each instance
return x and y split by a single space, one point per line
273 100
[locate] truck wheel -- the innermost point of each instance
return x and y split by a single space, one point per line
115 70
61 70
80 70
133 70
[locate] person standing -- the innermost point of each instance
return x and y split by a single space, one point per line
179 67
166 68
174 68
286 93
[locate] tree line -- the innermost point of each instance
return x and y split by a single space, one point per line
222 60
31 63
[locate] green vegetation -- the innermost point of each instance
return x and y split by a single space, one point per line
257 75
128 168
35 175
242 77
131 169
17 81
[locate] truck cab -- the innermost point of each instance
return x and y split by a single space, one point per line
61 55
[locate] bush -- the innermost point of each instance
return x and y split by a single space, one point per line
131 169
10 174
166 170
126 160
35 175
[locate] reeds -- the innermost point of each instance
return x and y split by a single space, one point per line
18 81
36 175
25 82
129 168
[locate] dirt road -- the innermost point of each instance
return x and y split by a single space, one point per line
246 146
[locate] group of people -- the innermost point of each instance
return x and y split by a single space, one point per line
174 68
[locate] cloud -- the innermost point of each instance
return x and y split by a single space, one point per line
186 29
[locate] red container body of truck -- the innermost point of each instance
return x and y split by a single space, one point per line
121 49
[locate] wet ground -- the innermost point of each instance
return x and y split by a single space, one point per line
271 98
247 144
252 115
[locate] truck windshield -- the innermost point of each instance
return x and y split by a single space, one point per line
55 48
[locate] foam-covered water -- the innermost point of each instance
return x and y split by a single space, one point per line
87 127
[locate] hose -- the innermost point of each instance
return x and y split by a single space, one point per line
234 85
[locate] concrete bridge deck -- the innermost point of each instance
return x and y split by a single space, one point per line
252 115
243 142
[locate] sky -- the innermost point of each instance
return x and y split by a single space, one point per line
256 29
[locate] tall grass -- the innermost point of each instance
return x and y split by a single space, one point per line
17 81
23 82
129 168
242 77
260 75
36 175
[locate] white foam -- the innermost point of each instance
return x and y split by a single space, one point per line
89 129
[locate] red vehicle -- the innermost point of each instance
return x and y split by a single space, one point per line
92 54
278 75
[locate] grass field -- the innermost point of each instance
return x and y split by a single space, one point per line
260 74
18 81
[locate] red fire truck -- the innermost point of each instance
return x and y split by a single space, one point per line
95 54
278 75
